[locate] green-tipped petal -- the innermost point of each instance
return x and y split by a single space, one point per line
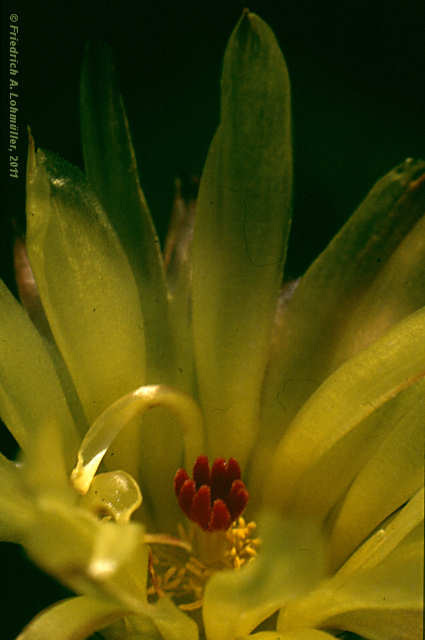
73 619
290 562
357 389
390 477
241 230
397 291
378 592
330 292
30 392
86 286
177 258
111 169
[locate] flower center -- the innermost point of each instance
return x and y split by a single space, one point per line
181 574
217 537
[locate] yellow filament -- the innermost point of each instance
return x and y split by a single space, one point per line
185 581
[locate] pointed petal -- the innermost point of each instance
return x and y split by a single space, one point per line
178 254
73 619
393 474
387 537
397 291
85 284
31 301
111 169
30 392
345 399
325 482
378 592
328 294
289 563
84 553
241 230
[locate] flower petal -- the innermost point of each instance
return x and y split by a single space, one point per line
111 169
241 230
86 287
289 563
397 291
390 477
161 621
172 623
30 392
326 480
328 294
344 400
84 553
72 619
378 593
178 254
109 424
16 509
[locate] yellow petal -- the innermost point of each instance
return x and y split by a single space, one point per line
111 168
290 562
241 230
357 389
86 286
30 391
73 619
329 292
82 552
16 509
390 477
378 592
397 291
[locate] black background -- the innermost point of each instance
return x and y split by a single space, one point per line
357 72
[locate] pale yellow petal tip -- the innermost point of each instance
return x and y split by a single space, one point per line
83 474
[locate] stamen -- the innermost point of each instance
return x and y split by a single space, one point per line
212 500
183 577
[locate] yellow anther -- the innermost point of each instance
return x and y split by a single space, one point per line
176 573
250 551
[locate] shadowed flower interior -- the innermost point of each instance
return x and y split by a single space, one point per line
205 453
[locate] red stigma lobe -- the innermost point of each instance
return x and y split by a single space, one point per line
213 499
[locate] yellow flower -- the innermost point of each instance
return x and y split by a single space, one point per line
317 396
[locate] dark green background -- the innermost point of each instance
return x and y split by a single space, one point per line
357 71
